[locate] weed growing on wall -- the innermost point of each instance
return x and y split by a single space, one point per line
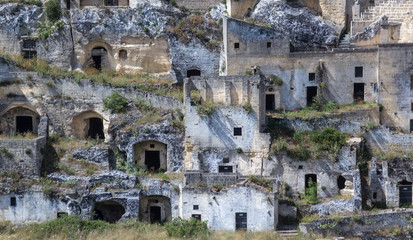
115 102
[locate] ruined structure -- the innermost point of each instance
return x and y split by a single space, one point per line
228 137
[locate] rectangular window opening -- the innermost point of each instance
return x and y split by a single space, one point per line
152 145
222 169
197 216
236 45
13 202
311 77
268 44
225 160
237 131
358 71
196 207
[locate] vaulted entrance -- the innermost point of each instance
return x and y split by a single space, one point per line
95 130
109 211
151 154
24 124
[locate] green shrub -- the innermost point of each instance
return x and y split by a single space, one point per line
218 186
67 227
261 181
115 102
329 107
28 151
329 139
275 80
239 150
300 153
6 153
206 109
247 107
53 10
187 228
311 193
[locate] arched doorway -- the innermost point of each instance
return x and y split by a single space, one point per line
19 120
88 124
193 72
151 154
99 58
109 211
155 209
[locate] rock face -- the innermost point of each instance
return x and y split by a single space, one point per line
100 155
305 29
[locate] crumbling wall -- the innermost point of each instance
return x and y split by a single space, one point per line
219 208
240 8
219 130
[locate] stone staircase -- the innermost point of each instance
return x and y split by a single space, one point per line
395 10
345 42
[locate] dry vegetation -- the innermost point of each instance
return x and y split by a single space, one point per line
311 112
392 152
142 81
23 136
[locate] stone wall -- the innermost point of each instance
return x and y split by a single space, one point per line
293 172
31 207
198 5
239 8
63 99
22 156
194 178
219 208
217 130
362 225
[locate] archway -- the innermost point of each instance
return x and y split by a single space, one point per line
19 120
99 58
341 182
151 154
88 124
193 72
155 209
109 211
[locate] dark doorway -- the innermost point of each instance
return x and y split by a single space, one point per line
411 125
155 214
313 178
111 3
109 211
341 182
225 169
197 216
269 102
24 124
405 194
97 54
193 72
311 94
68 4
95 130
358 92
152 160
241 221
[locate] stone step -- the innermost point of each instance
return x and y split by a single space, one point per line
287 233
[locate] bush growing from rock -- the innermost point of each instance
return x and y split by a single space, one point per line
115 102
53 10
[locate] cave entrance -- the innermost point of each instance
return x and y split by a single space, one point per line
152 160
311 94
358 94
154 209
193 72
269 102
95 130
405 194
24 124
309 177
341 182
155 214
98 54
109 211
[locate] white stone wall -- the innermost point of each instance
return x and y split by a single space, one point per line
219 208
